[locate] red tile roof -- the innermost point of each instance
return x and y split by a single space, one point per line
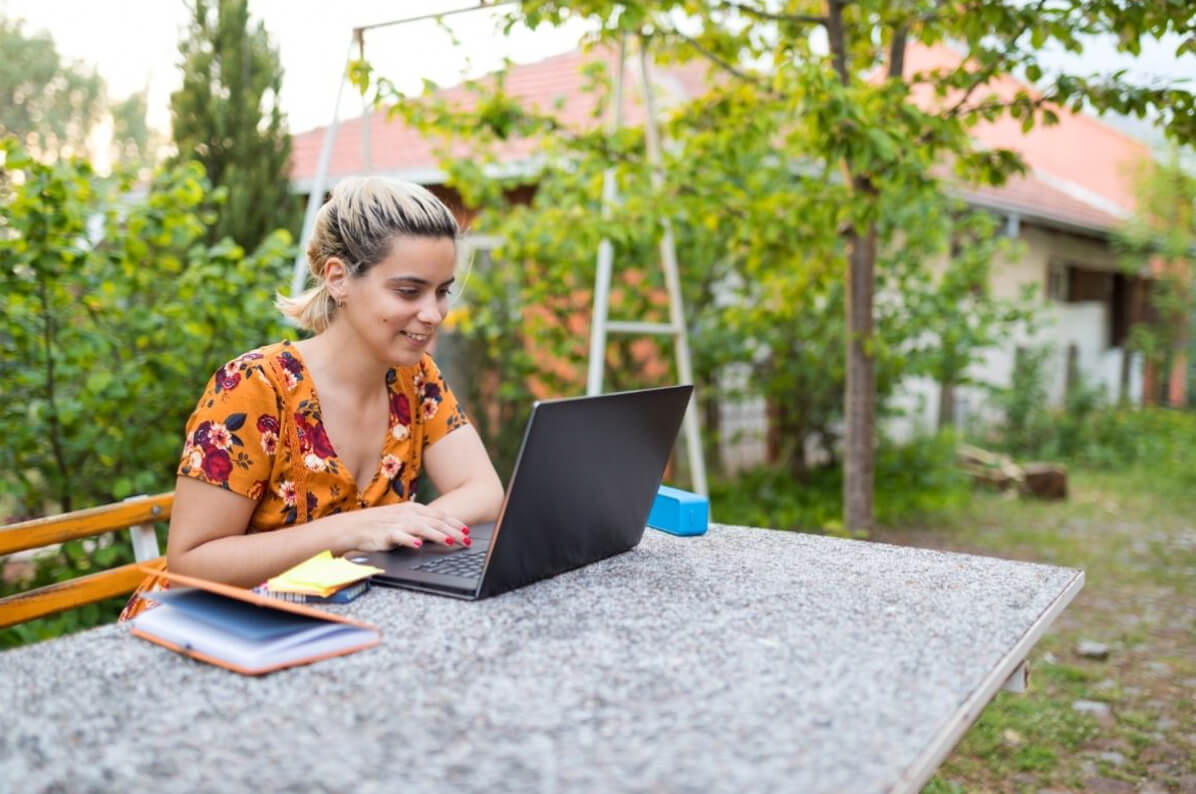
400 150
1079 169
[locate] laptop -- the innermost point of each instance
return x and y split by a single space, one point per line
584 481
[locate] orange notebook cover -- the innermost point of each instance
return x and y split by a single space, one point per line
205 625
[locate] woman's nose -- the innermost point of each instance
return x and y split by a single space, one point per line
429 312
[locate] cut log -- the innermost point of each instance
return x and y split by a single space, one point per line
1044 480
989 469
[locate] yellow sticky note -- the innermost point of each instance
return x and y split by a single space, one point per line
322 572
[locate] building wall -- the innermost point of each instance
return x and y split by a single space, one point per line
1044 256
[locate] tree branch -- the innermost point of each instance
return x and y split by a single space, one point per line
986 74
802 19
65 490
897 52
837 38
722 63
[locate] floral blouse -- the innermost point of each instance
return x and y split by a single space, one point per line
257 431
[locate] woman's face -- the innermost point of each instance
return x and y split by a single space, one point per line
398 304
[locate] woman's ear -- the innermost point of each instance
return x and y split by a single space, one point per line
336 277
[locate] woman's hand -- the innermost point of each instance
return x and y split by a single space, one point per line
406 524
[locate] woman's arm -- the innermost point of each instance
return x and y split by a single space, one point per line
464 477
208 534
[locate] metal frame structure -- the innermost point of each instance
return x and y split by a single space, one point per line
601 324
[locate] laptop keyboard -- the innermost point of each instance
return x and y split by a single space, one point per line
463 563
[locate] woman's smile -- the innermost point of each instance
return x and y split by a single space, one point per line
419 339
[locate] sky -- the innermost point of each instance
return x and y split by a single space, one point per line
134 45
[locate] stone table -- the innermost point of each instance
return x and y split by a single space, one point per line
740 660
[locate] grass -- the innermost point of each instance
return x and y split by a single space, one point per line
1134 534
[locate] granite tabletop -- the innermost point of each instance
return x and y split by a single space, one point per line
739 660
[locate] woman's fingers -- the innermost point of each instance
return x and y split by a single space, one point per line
446 533
400 537
437 526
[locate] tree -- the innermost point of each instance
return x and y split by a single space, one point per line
841 139
132 139
1161 237
48 103
227 115
115 313
843 100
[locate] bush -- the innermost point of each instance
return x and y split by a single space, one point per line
1090 432
115 313
912 480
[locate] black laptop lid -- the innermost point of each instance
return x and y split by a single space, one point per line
583 485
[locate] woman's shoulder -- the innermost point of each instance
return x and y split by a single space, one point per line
258 372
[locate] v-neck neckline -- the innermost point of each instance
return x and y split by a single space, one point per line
359 490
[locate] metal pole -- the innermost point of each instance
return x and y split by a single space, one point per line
367 160
668 256
481 6
605 251
316 196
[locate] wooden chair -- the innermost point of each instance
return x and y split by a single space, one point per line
137 514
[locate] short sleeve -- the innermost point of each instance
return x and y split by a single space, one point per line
438 408
232 437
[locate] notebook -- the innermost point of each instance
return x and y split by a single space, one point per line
242 631
584 481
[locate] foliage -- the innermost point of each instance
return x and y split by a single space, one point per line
790 168
1088 431
959 316
1025 419
723 199
115 313
845 104
914 480
227 115
133 141
48 103
1162 234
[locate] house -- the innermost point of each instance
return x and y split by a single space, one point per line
1077 190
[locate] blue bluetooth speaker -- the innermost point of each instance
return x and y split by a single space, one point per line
679 512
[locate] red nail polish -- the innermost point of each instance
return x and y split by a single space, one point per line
448 541
418 543
465 530
466 542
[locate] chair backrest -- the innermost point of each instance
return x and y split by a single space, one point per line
137 514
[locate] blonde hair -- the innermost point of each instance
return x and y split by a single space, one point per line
357 225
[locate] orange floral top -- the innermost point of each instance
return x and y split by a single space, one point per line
257 431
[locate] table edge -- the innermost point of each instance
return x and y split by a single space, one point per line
921 770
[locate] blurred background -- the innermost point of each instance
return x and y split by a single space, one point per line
935 264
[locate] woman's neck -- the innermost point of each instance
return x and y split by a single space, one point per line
334 356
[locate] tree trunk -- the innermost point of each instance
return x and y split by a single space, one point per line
1123 379
712 419
860 399
1071 380
946 405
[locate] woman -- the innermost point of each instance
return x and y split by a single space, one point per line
303 446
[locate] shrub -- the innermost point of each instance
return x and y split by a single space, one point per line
912 480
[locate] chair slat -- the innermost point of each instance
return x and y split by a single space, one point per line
73 593
84 523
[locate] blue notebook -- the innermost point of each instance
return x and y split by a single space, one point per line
236 617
